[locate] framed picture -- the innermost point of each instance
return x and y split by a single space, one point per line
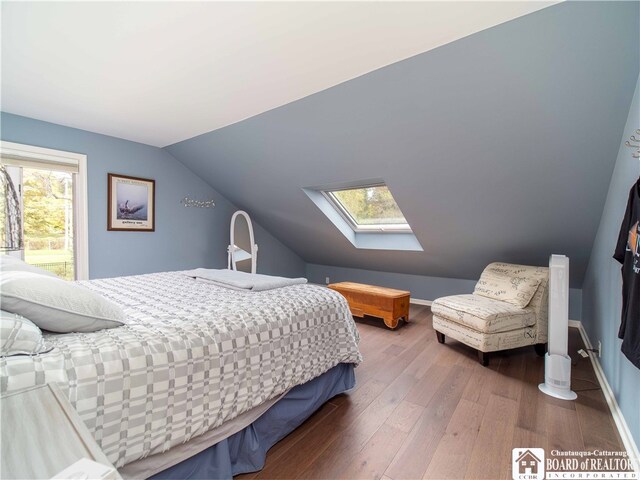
131 203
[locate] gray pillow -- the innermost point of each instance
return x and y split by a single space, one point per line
57 305
11 264
19 336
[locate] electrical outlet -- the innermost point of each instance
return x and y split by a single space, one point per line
326 280
599 349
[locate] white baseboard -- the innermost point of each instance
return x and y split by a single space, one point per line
417 301
618 418
576 324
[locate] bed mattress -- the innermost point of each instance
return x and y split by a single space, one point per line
191 357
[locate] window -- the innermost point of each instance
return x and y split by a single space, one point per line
369 208
52 194
366 214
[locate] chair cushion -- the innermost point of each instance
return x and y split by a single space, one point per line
515 284
483 314
486 342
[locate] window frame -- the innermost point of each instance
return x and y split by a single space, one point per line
80 195
347 217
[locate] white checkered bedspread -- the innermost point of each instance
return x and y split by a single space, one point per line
192 356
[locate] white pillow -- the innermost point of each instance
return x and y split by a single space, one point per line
57 305
11 264
19 336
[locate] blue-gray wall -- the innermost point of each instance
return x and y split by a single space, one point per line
602 299
420 286
184 237
497 147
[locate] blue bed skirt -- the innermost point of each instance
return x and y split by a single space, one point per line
246 450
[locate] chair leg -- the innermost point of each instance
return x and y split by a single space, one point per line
541 349
440 337
483 358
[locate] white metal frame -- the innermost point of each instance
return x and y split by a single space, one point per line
15 174
232 249
80 197
344 213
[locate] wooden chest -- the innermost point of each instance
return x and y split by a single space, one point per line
387 303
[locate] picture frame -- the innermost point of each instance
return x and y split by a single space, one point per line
131 203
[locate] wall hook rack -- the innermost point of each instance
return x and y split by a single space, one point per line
634 142
190 202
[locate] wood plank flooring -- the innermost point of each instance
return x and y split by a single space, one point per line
422 410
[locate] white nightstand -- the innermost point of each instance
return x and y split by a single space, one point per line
42 434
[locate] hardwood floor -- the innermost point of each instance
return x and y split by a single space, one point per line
422 410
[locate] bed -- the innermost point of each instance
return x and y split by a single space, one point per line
192 359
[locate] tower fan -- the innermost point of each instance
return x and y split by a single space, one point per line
557 364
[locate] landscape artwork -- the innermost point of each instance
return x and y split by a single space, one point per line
131 203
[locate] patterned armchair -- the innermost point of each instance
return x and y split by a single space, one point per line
508 309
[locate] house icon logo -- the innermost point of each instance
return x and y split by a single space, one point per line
527 463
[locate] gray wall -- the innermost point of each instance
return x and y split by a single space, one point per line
602 300
421 287
497 147
184 237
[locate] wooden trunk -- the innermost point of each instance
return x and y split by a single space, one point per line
387 303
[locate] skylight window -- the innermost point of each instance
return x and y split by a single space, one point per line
369 208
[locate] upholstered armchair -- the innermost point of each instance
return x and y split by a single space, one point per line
508 309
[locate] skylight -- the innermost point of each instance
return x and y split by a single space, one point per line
369 208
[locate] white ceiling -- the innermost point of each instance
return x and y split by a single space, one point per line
159 73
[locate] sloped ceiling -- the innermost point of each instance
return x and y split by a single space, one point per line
161 72
498 146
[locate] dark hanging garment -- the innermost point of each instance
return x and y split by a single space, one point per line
628 254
